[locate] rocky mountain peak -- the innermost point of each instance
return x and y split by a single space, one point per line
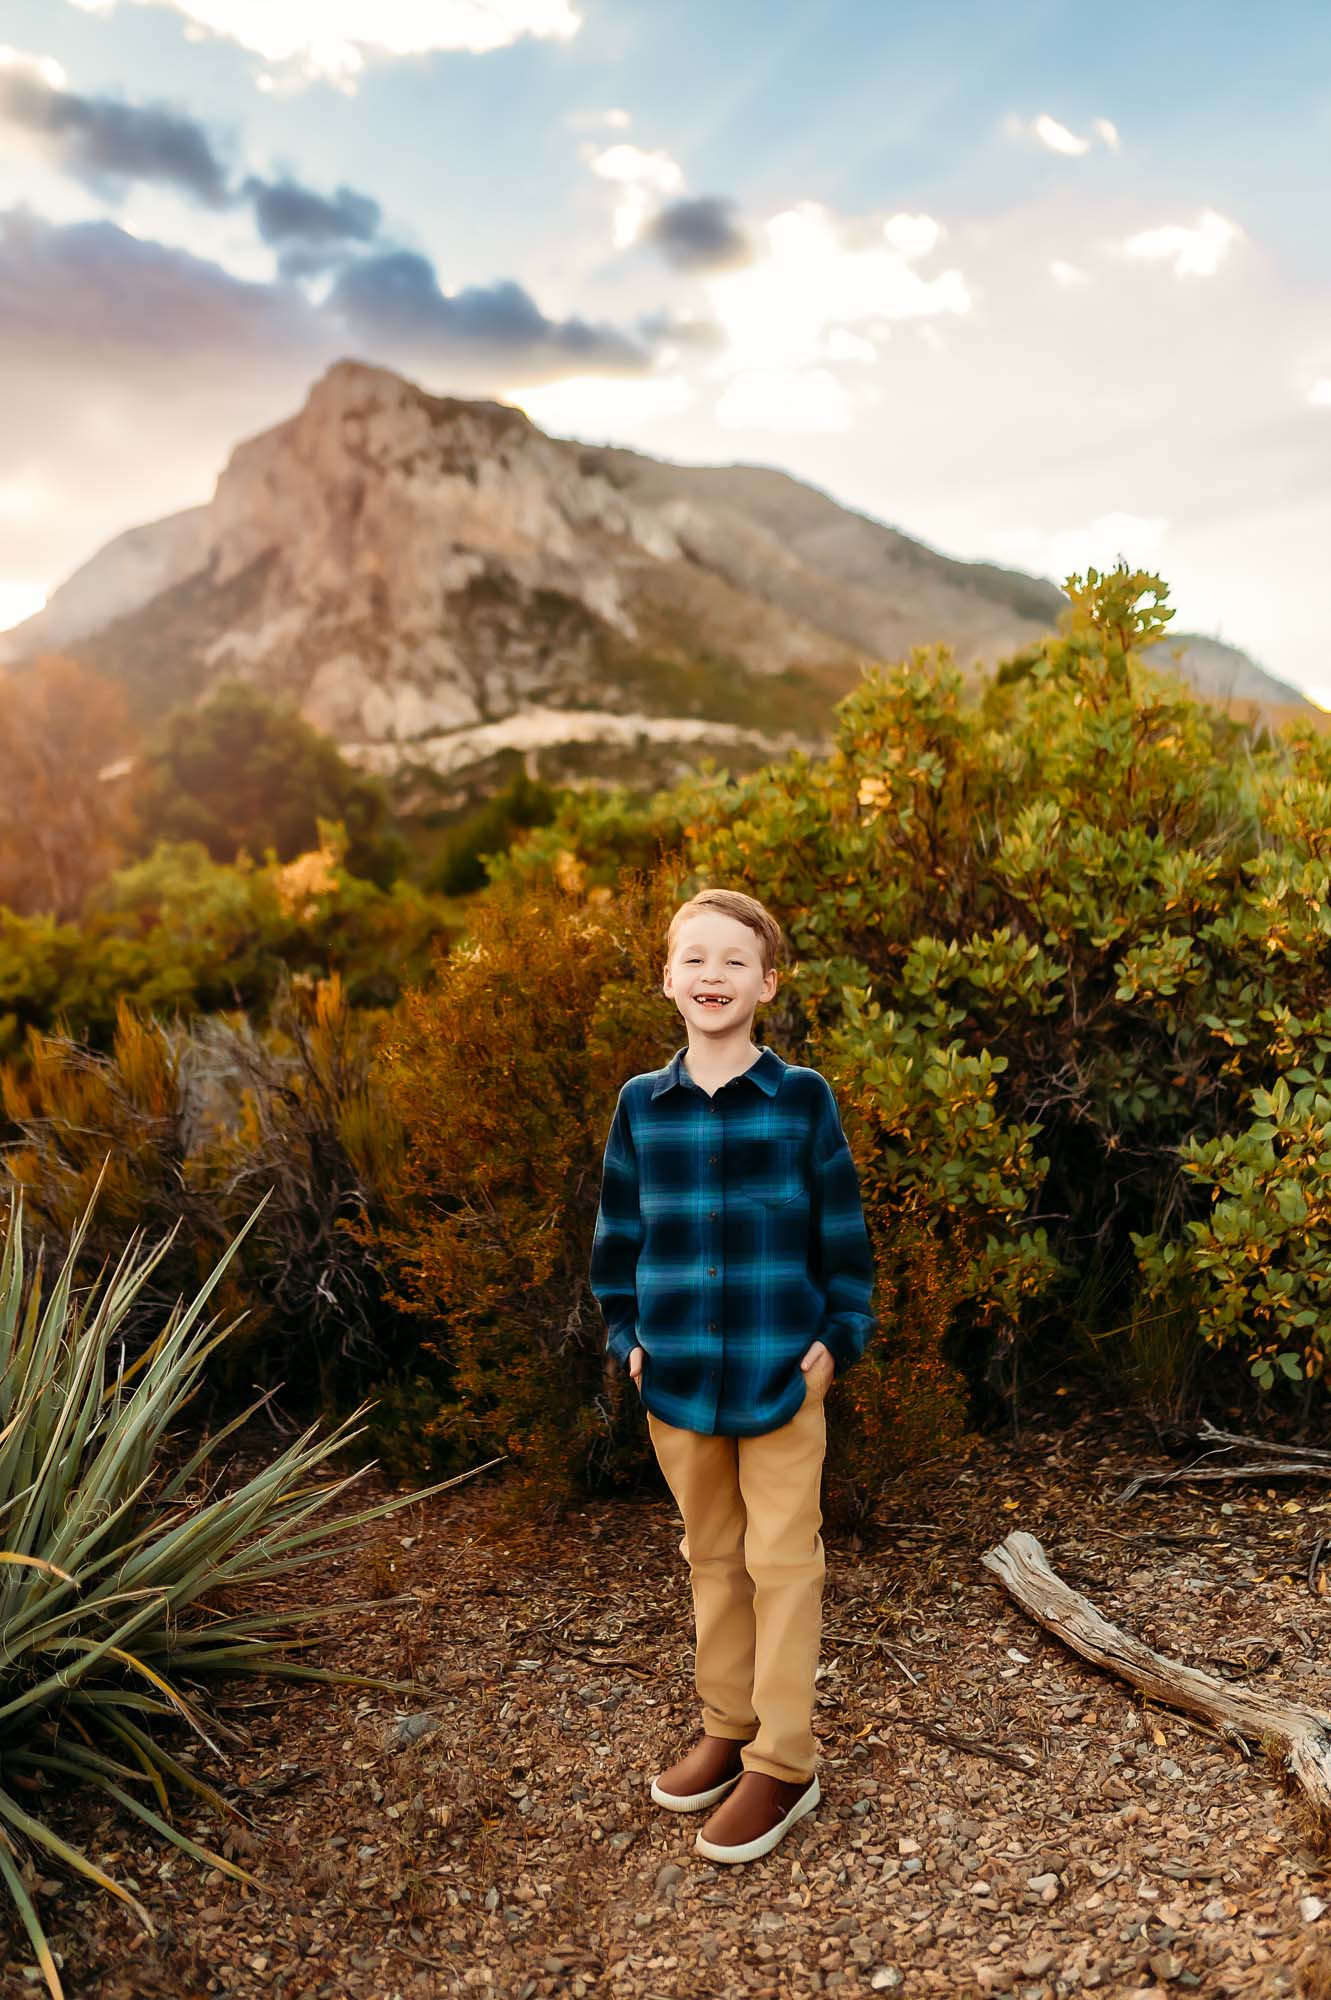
439 585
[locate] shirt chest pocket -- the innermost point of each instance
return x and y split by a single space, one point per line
771 1174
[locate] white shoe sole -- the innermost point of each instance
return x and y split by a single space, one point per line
693 1801
751 1849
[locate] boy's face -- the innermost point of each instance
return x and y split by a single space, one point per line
717 955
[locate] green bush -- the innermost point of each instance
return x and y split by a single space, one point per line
1053 934
241 772
461 862
179 933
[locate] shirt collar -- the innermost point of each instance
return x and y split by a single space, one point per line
766 1072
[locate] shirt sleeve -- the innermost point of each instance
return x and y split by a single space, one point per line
841 1251
618 1238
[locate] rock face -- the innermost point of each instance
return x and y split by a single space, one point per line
440 586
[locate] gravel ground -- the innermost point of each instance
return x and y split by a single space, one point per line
998 1816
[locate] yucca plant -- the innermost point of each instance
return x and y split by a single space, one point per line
121 1557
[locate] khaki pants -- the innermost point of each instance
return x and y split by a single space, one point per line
752 1509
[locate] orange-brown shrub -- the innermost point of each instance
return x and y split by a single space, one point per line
503 1075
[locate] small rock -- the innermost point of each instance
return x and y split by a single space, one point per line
1165 1964
1045 1886
1215 1911
1169 1769
410 1729
1037 1964
671 1872
905 1845
641 1919
885 1979
1311 1908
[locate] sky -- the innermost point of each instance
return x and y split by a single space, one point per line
1047 283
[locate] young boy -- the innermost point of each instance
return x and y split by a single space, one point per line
733 1268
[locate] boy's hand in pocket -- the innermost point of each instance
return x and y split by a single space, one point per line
820 1368
635 1367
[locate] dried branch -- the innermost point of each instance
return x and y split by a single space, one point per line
1021 1565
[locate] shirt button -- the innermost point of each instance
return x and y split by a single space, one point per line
713 1159
711 1326
712 1213
711 1270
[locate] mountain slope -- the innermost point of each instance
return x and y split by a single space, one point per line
442 587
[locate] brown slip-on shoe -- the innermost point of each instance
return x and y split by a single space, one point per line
701 1777
759 1812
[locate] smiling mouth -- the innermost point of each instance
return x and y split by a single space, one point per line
711 1000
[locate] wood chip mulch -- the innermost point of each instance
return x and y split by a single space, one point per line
998 1817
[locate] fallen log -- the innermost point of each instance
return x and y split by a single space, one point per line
1303 1732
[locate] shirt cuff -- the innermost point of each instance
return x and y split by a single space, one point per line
620 1344
843 1347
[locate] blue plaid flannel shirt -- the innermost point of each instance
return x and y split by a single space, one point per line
729 1238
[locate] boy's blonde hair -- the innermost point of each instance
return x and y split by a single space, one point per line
733 903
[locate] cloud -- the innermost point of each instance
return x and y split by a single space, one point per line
602 407
843 345
286 212
45 68
913 235
1067 275
139 367
1195 252
312 232
668 334
815 273
19 600
134 368
332 41
1059 138
62 286
101 139
1058 552
785 399
394 299
699 233
643 180
615 120
1319 396
110 146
